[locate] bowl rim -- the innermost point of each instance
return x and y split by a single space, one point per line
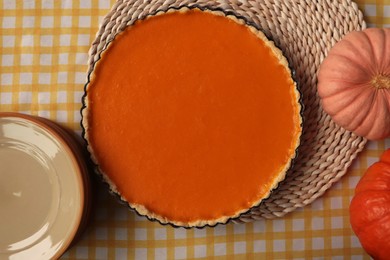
81 175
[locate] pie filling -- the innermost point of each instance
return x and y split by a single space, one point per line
192 117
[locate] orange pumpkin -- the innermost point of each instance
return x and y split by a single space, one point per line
370 209
354 83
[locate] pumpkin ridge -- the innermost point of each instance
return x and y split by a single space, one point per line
377 59
365 111
383 66
355 208
352 45
354 63
351 85
386 101
371 199
340 95
336 86
373 98
340 92
373 247
385 93
371 178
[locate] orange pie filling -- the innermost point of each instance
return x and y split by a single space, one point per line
192 117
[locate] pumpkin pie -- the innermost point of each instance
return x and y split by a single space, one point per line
192 117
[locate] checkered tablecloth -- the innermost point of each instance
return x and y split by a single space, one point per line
43 62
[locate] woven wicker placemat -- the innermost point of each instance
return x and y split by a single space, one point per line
304 31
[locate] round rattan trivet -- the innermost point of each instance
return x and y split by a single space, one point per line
304 31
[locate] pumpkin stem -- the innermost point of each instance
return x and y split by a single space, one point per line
381 81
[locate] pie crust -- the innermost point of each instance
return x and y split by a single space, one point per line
112 125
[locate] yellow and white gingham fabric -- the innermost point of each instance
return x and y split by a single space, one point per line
43 62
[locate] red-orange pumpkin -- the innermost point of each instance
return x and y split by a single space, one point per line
354 83
370 209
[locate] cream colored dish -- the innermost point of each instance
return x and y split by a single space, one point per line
42 189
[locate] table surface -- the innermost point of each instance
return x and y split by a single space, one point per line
43 61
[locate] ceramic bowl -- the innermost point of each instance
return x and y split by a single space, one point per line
44 188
